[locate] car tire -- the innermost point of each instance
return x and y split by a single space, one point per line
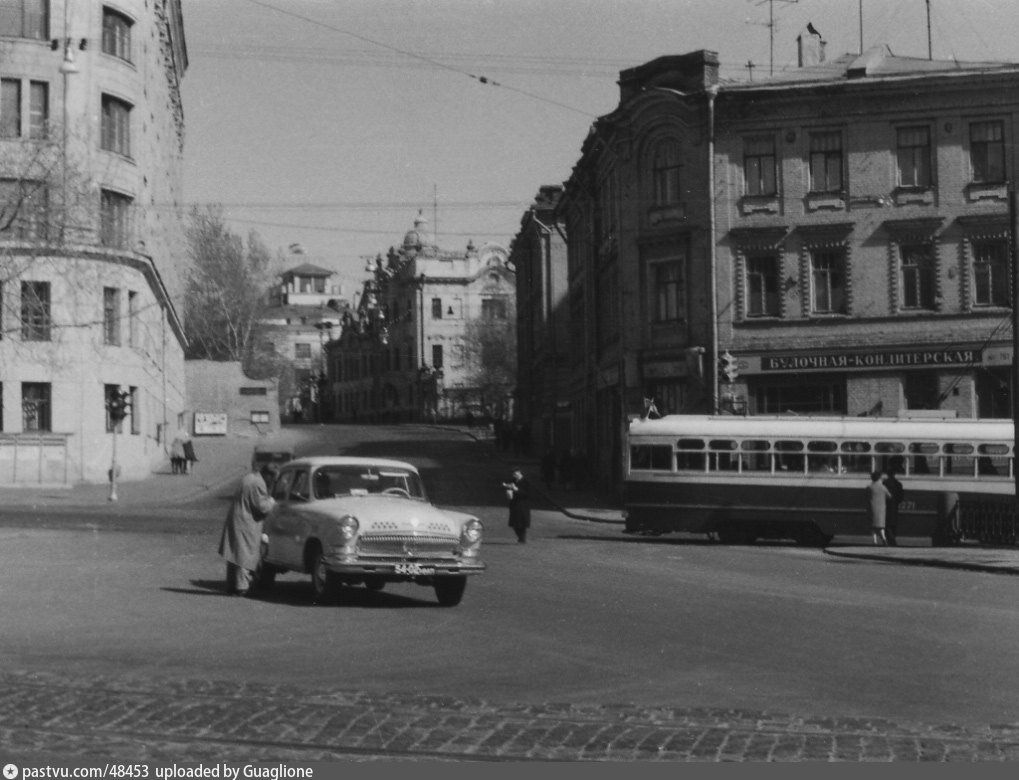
374 584
323 582
450 590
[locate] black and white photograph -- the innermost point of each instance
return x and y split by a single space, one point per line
508 382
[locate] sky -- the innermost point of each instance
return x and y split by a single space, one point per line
329 124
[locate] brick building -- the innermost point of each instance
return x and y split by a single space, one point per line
92 245
840 230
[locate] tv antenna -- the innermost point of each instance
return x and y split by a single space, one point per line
770 24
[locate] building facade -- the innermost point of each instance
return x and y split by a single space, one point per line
303 315
427 336
832 240
538 257
92 245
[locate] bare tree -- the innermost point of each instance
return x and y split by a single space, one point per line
226 289
490 347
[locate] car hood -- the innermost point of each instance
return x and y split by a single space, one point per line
381 514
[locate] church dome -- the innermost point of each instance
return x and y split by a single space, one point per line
419 236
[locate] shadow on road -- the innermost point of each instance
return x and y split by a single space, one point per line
299 594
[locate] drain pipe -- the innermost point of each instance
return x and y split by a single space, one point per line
711 92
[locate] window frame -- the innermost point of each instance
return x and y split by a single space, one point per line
914 156
10 108
1003 299
769 302
757 186
111 316
115 125
35 28
116 38
918 280
36 311
979 171
43 413
666 173
821 159
831 255
115 228
668 291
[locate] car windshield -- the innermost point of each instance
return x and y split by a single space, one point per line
330 481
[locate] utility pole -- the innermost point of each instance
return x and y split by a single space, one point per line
930 51
750 68
771 29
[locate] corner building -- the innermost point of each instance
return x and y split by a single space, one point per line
92 247
840 230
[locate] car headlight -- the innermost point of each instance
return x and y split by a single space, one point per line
348 527
471 531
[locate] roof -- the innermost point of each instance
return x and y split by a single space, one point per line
878 62
346 460
308 269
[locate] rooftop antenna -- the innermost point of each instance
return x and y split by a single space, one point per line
770 24
861 26
435 212
930 51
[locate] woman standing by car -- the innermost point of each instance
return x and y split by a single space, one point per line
242 532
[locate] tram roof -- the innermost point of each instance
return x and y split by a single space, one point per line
780 426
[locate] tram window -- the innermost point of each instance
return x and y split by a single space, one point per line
822 456
891 461
786 460
919 453
855 457
723 457
650 458
958 459
755 455
690 455
993 460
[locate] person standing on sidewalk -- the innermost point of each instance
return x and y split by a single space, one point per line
241 540
877 501
518 490
896 493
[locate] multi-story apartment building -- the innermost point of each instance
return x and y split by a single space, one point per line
412 347
91 235
304 314
538 257
839 231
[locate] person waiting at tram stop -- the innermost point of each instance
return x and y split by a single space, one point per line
878 497
895 491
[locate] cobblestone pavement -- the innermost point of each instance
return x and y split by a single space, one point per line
54 717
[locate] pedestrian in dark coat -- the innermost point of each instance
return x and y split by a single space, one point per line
877 501
241 540
519 492
896 492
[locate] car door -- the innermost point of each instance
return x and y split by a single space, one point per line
283 525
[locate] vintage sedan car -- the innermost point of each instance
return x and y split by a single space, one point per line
350 521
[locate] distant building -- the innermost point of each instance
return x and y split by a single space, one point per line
412 346
91 269
840 230
304 313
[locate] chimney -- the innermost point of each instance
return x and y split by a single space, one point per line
810 47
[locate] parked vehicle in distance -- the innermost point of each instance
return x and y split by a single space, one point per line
349 521
268 453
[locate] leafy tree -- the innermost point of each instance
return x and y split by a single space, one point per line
226 289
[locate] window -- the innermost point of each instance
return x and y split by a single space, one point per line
759 165
665 173
762 286
667 281
990 273
828 281
38 109
493 309
115 219
24 209
10 108
987 151
133 410
35 311
35 406
116 126
914 156
826 162
918 272
436 308
436 355
111 316
116 34
302 351
132 319
25 18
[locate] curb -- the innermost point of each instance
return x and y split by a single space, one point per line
938 563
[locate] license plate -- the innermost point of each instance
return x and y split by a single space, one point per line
413 568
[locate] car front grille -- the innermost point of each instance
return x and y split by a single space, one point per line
407 546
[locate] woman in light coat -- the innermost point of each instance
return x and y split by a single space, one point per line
877 498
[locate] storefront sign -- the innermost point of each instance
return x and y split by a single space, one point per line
854 361
665 370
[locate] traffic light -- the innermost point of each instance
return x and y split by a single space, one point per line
728 366
117 405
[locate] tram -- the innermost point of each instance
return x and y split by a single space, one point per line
740 479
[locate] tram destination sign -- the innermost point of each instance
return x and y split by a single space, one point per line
849 361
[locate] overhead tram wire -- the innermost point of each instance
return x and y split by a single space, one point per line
422 58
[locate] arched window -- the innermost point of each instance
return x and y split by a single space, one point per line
665 172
